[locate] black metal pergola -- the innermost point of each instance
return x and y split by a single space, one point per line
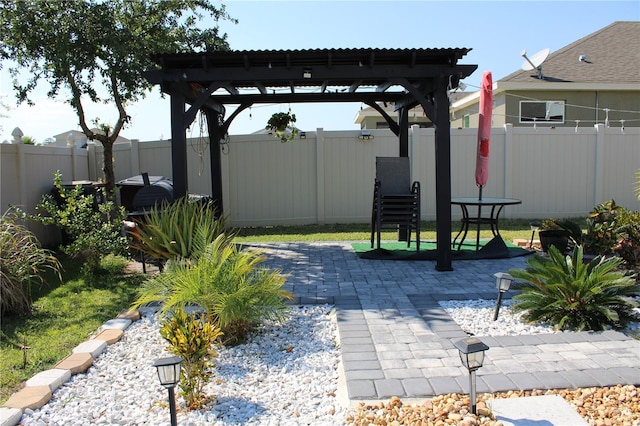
209 82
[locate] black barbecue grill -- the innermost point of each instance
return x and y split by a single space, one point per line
153 195
142 192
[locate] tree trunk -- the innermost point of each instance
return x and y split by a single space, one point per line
107 169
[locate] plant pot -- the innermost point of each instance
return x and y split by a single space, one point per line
554 237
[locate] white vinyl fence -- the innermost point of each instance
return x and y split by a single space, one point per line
328 176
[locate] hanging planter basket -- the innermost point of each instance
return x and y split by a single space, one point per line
281 126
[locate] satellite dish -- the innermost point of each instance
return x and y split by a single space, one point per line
535 62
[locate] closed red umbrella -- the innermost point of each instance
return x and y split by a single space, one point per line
484 131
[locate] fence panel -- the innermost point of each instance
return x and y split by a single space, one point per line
350 172
328 177
271 182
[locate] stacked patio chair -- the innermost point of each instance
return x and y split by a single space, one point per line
396 202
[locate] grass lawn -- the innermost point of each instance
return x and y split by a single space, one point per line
64 315
67 313
509 229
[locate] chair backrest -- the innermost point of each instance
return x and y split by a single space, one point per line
394 175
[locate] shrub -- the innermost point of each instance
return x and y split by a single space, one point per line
22 261
571 295
614 229
179 230
628 247
93 229
193 339
228 283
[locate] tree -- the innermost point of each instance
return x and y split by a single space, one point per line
98 50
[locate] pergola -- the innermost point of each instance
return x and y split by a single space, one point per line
209 82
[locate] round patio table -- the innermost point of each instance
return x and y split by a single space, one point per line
496 204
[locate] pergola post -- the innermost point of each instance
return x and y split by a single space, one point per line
403 139
178 145
215 135
443 178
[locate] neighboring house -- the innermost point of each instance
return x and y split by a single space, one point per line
593 80
368 118
78 139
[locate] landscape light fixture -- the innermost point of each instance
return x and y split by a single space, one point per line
503 282
535 225
472 356
169 375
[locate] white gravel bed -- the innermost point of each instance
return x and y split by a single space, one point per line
476 317
285 374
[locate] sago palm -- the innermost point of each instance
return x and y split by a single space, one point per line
571 295
227 282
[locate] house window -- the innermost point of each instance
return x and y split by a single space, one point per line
465 121
542 112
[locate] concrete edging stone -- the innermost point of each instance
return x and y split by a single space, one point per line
39 389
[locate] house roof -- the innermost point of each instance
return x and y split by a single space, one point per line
612 57
612 54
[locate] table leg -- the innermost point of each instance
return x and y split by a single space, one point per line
478 228
464 227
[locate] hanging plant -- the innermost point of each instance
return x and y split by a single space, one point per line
281 124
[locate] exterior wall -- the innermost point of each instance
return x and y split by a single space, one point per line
328 177
506 108
587 116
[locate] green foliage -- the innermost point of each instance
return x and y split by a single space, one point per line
281 124
22 261
98 50
628 247
28 140
572 295
614 229
193 339
602 228
182 229
93 229
228 283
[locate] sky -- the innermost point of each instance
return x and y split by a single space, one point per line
496 31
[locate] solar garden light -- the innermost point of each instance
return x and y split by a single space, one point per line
472 356
535 225
169 375
503 282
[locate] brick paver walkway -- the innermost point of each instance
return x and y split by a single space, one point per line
396 340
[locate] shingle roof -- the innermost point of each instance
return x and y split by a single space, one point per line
612 56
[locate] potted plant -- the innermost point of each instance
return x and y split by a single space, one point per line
281 124
561 233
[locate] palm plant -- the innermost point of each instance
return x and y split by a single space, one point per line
227 283
22 261
179 230
571 295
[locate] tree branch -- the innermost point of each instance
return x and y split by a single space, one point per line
123 118
77 104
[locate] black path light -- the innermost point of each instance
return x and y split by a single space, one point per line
535 225
503 282
472 356
169 375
